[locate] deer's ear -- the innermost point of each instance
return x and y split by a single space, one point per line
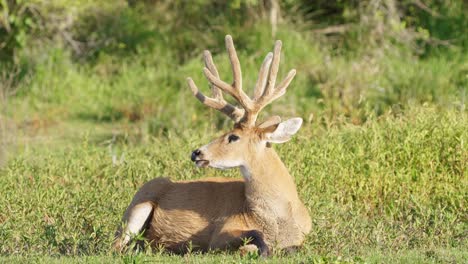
282 132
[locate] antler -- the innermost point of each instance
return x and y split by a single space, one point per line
216 101
265 90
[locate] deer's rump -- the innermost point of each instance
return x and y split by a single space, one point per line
189 214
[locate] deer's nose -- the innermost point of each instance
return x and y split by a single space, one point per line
195 154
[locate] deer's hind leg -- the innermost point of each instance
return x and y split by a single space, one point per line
140 211
134 221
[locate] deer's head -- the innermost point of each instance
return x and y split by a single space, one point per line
246 140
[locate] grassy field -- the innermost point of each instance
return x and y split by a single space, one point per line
392 188
381 160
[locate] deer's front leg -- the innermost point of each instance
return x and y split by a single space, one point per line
236 238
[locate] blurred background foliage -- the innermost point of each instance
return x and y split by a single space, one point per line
128 60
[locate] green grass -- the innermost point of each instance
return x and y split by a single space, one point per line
381 161
394 188
409 256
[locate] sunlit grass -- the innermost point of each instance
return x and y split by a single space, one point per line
392 185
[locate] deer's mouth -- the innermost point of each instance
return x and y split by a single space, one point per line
202 163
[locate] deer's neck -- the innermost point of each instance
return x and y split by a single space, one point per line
267 179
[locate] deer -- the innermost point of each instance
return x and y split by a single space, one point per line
259 212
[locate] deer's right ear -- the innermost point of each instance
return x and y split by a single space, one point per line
282 132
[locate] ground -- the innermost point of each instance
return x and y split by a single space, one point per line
391 190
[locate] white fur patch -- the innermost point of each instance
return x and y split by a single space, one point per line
138 216
225 164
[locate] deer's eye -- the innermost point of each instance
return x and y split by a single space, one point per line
233 138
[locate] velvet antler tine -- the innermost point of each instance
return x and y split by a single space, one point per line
236 68
263 76
201 97
274 68
265 91
219 83
219 104
215 91
234 90
281 88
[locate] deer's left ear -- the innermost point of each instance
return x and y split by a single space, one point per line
283 131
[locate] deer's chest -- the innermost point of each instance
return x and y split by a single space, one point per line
276 221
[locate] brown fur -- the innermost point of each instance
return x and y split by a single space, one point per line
213 213
218 213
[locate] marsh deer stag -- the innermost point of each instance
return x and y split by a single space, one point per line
259 212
